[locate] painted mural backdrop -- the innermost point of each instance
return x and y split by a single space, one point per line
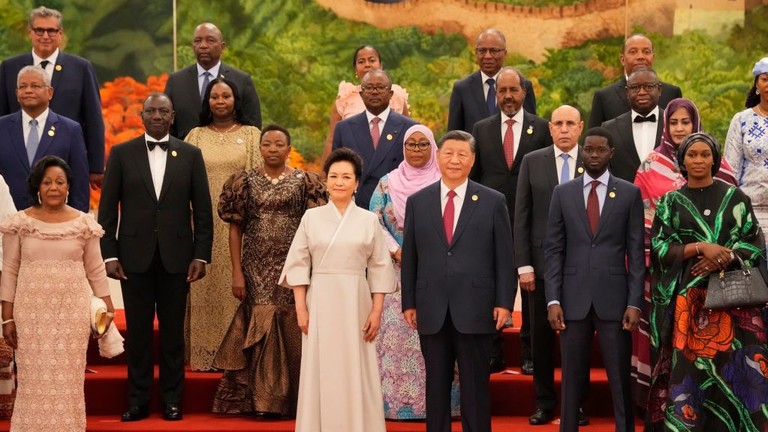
297 52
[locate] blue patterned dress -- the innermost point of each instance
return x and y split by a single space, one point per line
746 150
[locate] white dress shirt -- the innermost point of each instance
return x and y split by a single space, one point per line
36 60
25 126
602 188
486 87
573 153
384 115
157 161
458 200
644 134
214 71
517 128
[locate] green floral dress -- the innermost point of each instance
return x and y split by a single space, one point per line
710 368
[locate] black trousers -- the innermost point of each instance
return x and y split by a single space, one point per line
473 353
143 294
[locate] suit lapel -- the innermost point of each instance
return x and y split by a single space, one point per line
58 69
579 165
659 127
467 209
608 204
141 161
435 209
389 133
577 194
550 169
48 134
621 93
171 167
17 140
478 94
525 140
628 137
363 140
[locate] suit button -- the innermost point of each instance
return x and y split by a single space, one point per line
450 253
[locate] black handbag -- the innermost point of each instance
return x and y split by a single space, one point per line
736 288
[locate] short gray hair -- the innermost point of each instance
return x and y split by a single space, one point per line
458 135
44 12
35 70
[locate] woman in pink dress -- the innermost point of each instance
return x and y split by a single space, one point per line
348 100
52 266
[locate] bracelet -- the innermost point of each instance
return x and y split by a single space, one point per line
10 320
697 248
110 314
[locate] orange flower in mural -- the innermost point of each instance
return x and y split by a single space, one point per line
699 332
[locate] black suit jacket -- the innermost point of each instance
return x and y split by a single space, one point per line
75 96
354 133
490 168
469 277
184 92
625 160
468 105
538 178
611 102
179 223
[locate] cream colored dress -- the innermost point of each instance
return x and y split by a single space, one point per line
211 304
50 271
343 259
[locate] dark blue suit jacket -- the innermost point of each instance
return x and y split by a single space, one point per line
605 271
354 133
61 137
75 96
469 277
468 105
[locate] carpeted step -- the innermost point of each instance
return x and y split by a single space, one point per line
512 349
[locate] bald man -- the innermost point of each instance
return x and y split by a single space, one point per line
611 102
186 86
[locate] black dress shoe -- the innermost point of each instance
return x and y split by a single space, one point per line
583 418
172 412
497 365
134 413
540 417
527 367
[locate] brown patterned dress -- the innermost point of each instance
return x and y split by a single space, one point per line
261 352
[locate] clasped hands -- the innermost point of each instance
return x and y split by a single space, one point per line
712 258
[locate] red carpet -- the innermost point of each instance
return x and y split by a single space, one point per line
512 399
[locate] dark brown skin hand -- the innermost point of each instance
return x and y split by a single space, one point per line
196 271
115 270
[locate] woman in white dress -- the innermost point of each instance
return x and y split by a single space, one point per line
339 269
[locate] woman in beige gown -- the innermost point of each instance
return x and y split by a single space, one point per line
228 146
339 269
51 266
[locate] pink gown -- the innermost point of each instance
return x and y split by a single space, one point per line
50 271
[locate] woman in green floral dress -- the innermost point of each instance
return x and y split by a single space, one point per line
710 367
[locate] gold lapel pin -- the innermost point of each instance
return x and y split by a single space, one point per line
58 68
51 132
173 153
612 194
389 137
580 170
475 198
530 130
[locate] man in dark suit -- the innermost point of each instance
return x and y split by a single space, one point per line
594 276
375 134
76 89
611 101
473 97
500 151
540 172
36 131
156 190
458 282
186 87
638 131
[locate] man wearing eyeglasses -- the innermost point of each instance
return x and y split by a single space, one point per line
474 96
638 131
376 134
610 102
76 88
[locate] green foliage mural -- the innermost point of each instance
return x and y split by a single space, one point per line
298 52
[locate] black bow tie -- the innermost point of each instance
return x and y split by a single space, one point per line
650 118
162 144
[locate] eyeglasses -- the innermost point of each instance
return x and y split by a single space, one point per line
374 89
39 31
420 146
634 88
494 51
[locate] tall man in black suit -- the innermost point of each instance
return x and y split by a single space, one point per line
76 89
500 151
156 196
186 87
594 276
638 131
540 172
458 279
376 134
474 97
611 101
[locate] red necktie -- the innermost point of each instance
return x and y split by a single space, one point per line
509 144
448 216
375 133
593 207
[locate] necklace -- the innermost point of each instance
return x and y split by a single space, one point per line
760 111
222 134
275 180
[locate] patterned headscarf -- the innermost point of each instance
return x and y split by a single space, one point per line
692 139
406 180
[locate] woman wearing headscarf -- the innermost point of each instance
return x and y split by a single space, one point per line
400 361
657 175
710 366
746 145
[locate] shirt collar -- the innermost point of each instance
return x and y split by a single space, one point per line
36 59
655 110
461 190
213 71
573 153
148 138
41 119
603 179
518 117
485 77
383 116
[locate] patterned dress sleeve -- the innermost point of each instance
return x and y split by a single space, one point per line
314 190
399 99
734 146
379 203
346 91
233 201
193 137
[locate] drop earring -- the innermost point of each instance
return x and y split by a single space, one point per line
39 201
66 199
